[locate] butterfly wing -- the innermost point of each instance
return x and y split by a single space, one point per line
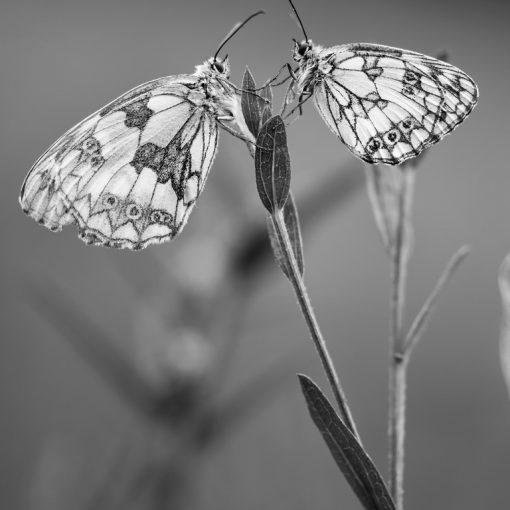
129 174
387 104
39 197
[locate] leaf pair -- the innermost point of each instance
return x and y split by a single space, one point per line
272 168
272 175
272 162
256 106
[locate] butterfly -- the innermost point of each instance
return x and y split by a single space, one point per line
385 104
129 174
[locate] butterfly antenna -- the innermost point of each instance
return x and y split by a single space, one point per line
234 31
299 20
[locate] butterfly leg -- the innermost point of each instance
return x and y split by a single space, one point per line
269 83
272 80
286 99
290 90
302 99
252 92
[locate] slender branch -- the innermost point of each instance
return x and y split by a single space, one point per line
398 361
311 321
420 322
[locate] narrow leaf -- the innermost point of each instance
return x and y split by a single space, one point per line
390 191
504 343
272 164
357 467
275 245
291 220
256 109
382 192
420 322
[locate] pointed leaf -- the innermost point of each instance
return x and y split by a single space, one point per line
256 110
390 190
272 164
357 467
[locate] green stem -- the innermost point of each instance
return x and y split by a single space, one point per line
311 321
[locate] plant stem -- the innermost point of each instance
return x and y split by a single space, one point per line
399 358
311 321
419 324
398 384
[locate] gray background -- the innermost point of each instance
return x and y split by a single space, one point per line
61 60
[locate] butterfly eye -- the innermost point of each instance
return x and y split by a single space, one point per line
303 48
218 66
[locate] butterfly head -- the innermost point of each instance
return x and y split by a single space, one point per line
215 67
303 50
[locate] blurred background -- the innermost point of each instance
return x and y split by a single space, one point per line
106 357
